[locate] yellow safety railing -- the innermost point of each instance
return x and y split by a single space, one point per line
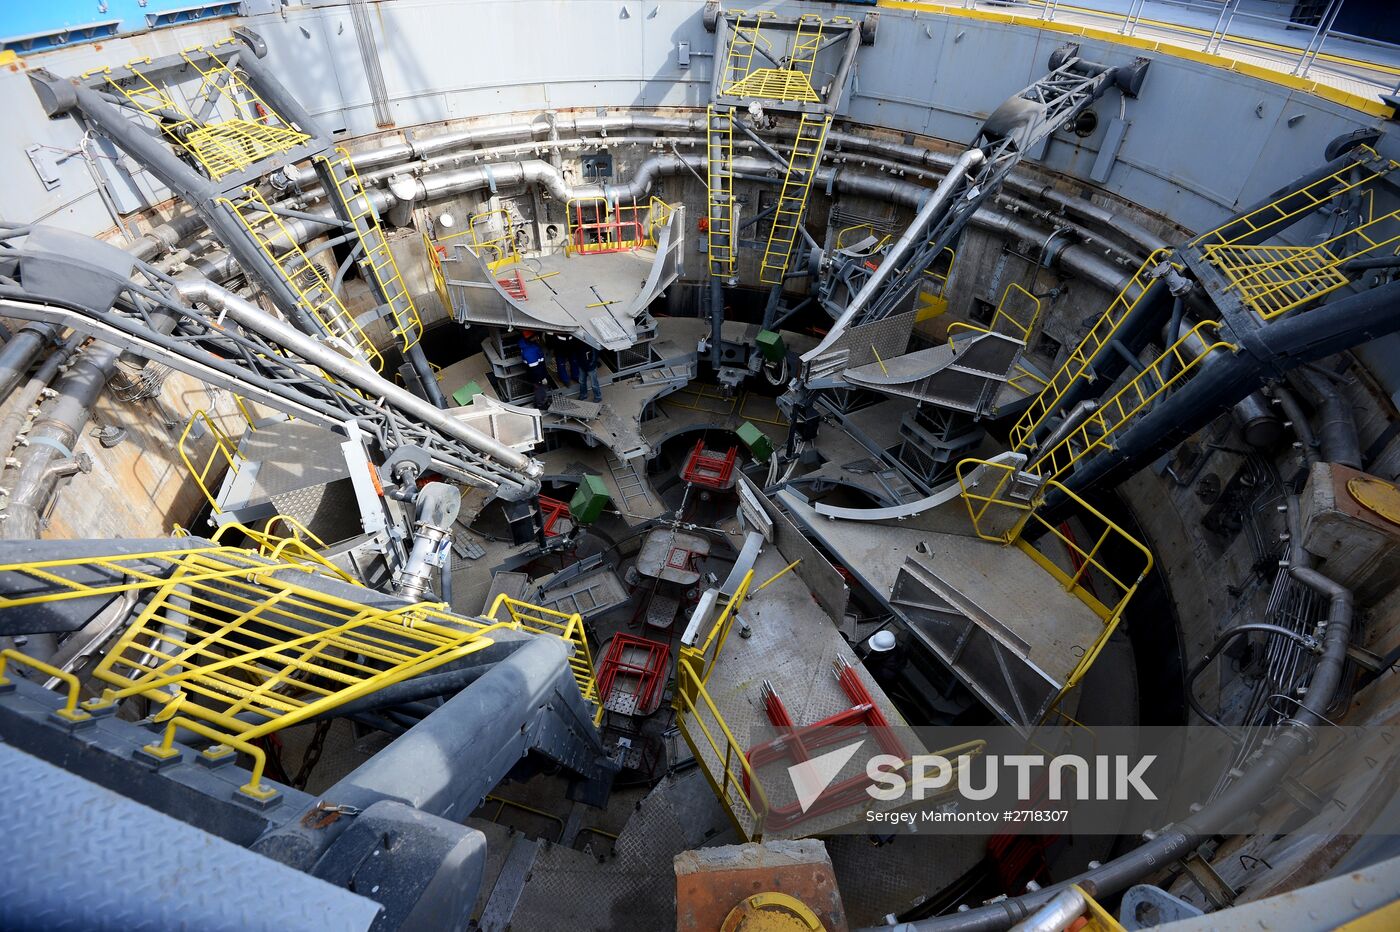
253 133
568 627
435 270
721 239
720 755
802 164
378 256
744 40
1004 321
597 226
706 652
1273 280
70 710
222 454
1178 363
844 237
242 643
1291 207
307 281
491 234
791 83
659 214
228 744
299 546
1077 365
1087 570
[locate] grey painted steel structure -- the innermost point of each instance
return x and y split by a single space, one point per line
86 885
208 196
275 363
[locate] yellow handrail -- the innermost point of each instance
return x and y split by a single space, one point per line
222 447
1110 538
1077 365
165 750
707 652
70 710
1177 363
733 773
567 627
1015 328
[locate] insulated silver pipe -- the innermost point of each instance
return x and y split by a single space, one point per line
256 319
1055 916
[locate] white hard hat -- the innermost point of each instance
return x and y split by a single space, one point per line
882 641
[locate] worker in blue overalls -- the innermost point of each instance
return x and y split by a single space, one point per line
533 354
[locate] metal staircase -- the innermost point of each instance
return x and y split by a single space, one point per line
1180 362
1078 367
355 207
792 201
721 242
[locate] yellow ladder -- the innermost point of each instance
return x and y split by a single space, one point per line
1181 361
742 43
1079 364
806 45
306 279
792 202
355 206
720 238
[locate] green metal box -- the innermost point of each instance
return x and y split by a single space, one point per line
590 500
465 394
771 345
756 440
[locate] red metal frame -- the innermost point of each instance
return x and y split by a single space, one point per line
609 235
514 286
798 743
551 510
650 675
708 468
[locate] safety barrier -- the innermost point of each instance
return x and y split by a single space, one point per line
492 234
434 253
567 627
1176 365
1291 207
1078 365
721 756
706 652
1273 280
1003 321
245 644
222 450
1079 581
254 133
596 226
300 546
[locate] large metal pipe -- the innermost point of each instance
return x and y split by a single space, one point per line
10 426
446 764
256 319
18 354
1336 431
